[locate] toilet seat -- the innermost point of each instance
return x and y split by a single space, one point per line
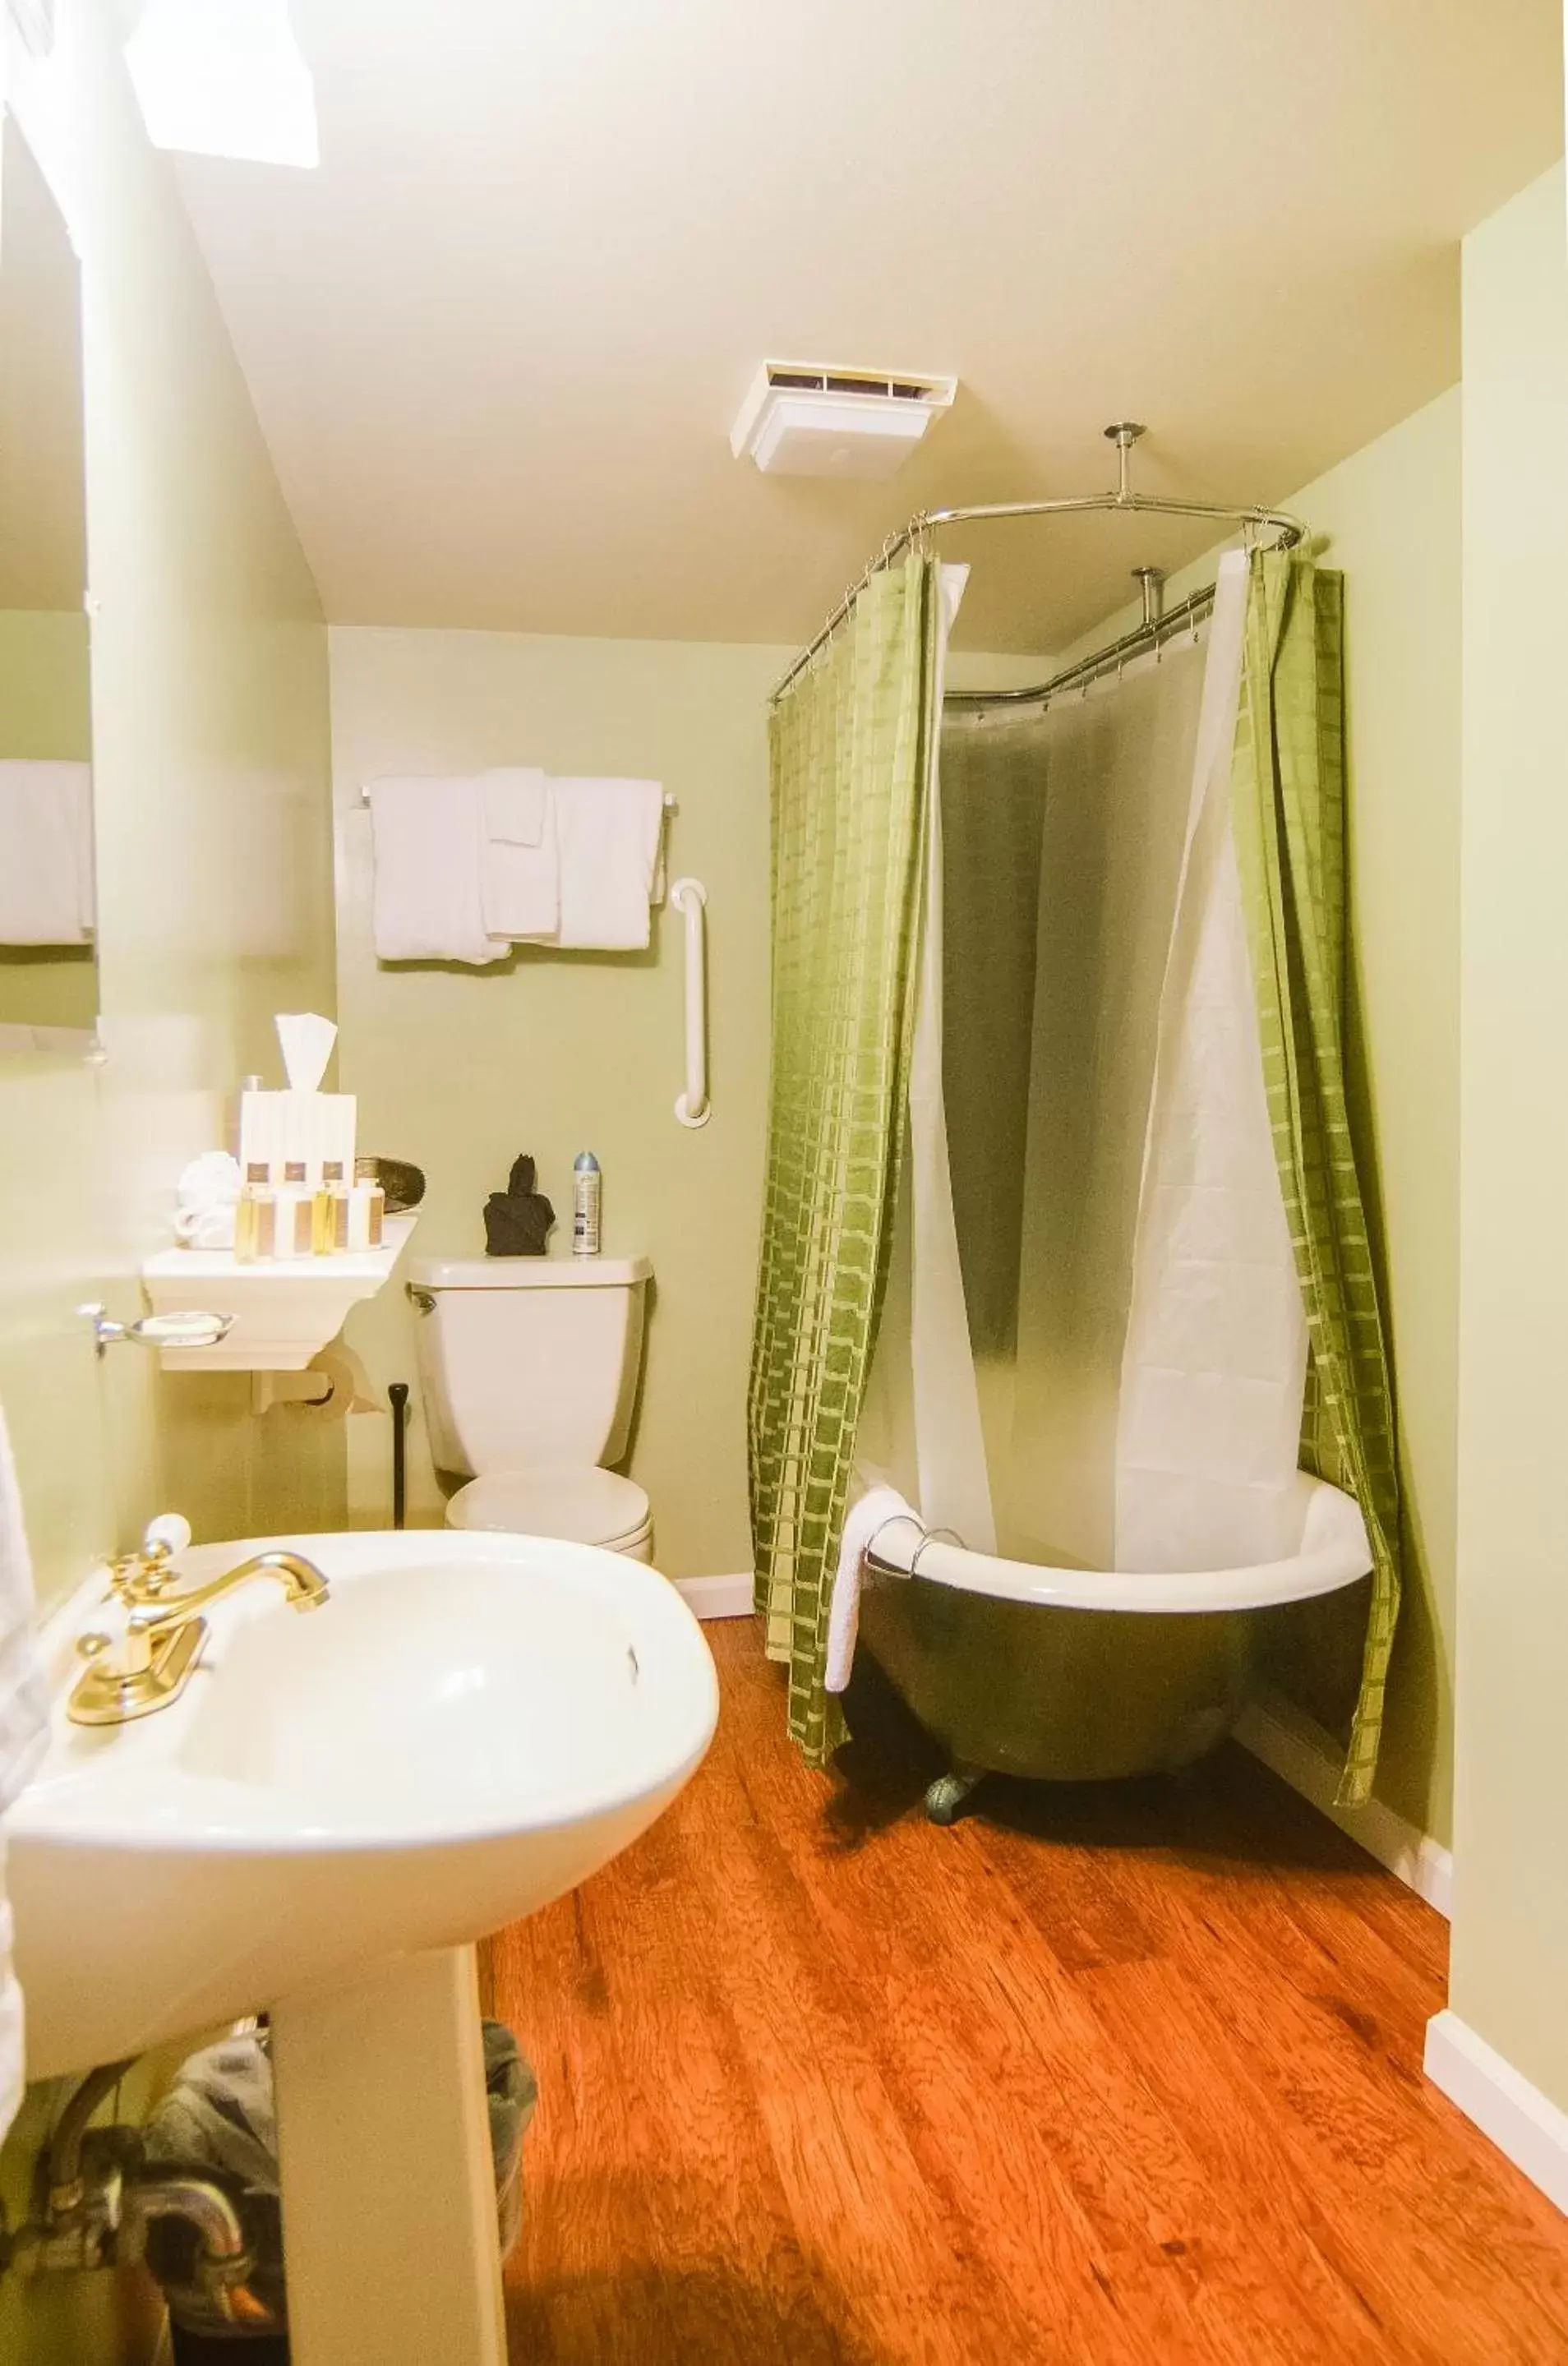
581 1507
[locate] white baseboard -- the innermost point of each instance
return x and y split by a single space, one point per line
1520 2121
1305 1757
717 1597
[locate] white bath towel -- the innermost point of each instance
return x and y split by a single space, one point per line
608 834
24 1731
430 846
878 1509
46 853
521 886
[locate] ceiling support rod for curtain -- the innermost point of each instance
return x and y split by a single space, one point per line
1288 531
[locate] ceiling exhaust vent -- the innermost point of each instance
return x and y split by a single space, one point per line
803 419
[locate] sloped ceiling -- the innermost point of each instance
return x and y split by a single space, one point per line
498 341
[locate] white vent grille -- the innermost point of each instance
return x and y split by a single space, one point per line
809 419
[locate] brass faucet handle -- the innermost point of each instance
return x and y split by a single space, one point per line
143 1575
139 1576
119 1648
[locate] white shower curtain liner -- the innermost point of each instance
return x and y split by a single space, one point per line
1155 1390
1212 1371
950 1450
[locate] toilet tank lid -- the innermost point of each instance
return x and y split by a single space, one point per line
528 1272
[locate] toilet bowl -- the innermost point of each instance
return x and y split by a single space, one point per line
585 1507
528 1372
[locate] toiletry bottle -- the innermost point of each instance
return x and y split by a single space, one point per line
295 1209
367 1206
256 1217
329 1231
587 1187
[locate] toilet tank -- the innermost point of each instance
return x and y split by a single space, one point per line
528 1363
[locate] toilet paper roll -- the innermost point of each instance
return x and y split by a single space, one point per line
333 1384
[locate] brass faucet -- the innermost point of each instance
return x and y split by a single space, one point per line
148 1666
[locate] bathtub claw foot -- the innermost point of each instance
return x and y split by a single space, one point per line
946 1795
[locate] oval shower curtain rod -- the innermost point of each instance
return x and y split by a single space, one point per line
1288 531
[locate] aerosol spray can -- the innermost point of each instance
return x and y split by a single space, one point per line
587 1187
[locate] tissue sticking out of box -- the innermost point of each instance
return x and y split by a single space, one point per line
307 1043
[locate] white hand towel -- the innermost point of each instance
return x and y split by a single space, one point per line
864 1523
24 1732
521 886
516 798
608 834
430 846
46 853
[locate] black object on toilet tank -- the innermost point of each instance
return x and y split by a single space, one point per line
518 1221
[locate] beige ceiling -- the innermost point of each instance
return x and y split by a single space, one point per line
498 341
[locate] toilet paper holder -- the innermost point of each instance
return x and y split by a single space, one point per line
332 1384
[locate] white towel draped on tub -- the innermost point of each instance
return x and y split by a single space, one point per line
521 886
863 1522
608 834
24 1726
430 847
46 853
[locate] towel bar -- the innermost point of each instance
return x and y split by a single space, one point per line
690 897
670 805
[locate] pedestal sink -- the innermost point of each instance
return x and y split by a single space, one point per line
336 1809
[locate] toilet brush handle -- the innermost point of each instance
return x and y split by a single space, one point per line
398 1397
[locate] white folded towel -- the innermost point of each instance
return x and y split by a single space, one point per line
46 853
608 835
864 1523
24 1732
430 846
516 800
521 884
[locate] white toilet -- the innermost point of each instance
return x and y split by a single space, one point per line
529 1368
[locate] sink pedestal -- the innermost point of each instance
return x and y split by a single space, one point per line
390 2237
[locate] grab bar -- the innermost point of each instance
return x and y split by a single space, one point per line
690 898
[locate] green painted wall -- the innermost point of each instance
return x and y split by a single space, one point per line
460 1070
45 685
1510 1940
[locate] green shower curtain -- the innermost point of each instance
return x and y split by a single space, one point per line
850 747
1288 802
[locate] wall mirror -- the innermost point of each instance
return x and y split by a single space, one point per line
48 980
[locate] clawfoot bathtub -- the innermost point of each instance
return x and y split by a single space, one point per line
1076 1675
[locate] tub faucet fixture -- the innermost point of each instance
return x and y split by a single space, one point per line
143 1655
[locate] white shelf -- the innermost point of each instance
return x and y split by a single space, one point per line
284 1313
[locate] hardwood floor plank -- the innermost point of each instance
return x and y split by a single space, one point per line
1100 2077
1031 2035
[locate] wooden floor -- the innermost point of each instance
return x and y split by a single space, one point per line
1129 2073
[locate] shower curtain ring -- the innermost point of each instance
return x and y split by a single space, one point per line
931 1536
909 1519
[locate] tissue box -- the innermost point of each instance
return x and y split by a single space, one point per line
279 1130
